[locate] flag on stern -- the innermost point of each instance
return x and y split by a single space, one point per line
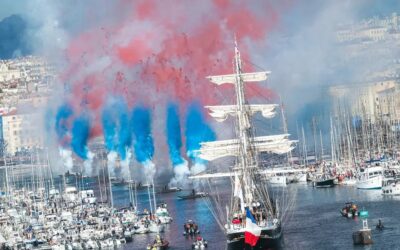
253 231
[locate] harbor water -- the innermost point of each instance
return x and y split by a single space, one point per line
312 222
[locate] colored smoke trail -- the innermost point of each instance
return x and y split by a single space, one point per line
64 112
173 130
152 51
141 126
109 121
174 141
80 137
117 134
115 119
124 132
143 143
197 131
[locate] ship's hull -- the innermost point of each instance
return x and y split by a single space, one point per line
370 183
192 196
269 239
325 183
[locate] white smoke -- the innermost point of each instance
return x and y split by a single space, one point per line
111 158
181 173
66 156
196 169
88 163
149 171
125 171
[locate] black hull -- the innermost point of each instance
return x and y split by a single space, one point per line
167 191
190 197
325 183
269 239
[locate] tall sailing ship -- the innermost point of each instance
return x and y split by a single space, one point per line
250 193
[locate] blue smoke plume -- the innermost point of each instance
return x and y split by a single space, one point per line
124 132
115 120
63 113
109 121
80 136
141 127
174 134
197 131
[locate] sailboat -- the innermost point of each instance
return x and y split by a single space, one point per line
250 192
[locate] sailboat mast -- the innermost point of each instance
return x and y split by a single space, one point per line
245 155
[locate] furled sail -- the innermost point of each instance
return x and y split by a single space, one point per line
221 113
245 77
278 144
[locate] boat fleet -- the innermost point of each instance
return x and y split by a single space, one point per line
378 174
72 219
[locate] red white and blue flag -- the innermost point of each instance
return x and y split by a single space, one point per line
253 231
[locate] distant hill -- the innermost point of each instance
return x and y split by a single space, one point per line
12 37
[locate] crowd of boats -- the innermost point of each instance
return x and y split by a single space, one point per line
40 216
373 174
48 219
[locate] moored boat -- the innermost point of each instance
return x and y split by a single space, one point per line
391 186
158 244
193 195
370 178
324 181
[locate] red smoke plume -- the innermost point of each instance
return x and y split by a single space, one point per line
163 50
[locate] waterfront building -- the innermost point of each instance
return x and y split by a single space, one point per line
373 29
370 100
21 132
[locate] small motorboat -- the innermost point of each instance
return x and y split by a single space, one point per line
167 189
324 181
190 228
350 210
193 195
200 243
158 244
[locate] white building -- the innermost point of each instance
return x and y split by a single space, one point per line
368 100
22 132
8 73
374 29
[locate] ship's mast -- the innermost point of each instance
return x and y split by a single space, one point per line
245 146
246 157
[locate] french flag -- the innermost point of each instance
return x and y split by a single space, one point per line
253 232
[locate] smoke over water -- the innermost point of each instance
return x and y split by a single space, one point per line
144 52
197 131
80 136
143 140
174 138
174 141
117 134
